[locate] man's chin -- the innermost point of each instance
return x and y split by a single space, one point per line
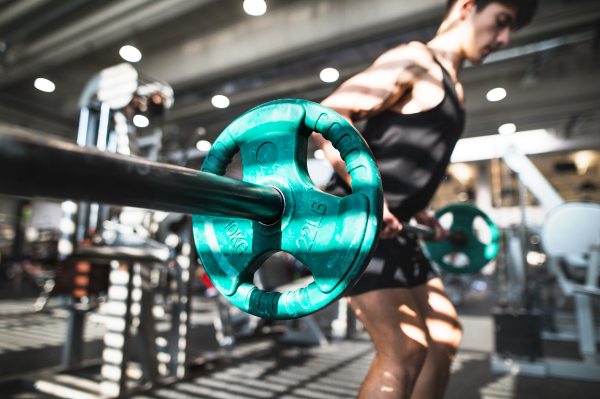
476 60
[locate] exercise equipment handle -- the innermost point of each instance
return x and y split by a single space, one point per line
35 166
418 229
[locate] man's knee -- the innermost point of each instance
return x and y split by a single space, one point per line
446 335
415 358
411 356
404 365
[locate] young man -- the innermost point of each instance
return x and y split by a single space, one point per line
413 101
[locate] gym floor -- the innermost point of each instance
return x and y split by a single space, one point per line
262 368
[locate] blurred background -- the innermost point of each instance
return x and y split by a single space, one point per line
161 79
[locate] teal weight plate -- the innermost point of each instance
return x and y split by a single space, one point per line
334 237
479 254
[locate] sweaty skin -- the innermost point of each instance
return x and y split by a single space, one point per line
416 331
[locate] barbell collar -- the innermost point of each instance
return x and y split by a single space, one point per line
41 167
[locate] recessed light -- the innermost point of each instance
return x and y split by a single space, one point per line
203 145
130 53
507 128
496 94
140 121
329 75
319 154
44 85
255 8
220 101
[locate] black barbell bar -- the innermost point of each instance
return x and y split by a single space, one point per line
36 166
417 229
457 237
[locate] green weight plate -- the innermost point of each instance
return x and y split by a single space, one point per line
334 237
479 254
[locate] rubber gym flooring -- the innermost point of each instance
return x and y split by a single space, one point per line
264 369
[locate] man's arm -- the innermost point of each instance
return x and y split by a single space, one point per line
374 90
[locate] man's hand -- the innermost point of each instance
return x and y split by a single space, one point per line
426 219
391 225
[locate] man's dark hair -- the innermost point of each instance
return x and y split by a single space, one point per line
525 9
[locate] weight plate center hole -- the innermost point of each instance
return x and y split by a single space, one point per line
457 259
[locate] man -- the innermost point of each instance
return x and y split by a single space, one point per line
413 101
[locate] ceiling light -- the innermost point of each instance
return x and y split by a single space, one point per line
203 145
69 207
583 159
319 154
172 240
255 7
44 85
507 128
462 196
496 94
140 121
535 258
329 75
220 101
461 172
130 53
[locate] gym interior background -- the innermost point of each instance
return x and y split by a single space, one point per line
161 79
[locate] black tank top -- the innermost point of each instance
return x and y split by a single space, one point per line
412 151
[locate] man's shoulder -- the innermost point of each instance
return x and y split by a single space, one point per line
409 54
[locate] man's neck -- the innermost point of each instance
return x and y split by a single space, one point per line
448 52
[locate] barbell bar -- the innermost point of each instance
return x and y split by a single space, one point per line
34 166
456 237
417 229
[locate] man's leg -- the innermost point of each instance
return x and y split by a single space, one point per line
398 333
444 333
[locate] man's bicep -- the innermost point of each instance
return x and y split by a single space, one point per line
369 91
378 87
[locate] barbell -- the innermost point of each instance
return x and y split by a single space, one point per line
237 224
462 239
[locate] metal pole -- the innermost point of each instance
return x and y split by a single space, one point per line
523 237
33 166
103 126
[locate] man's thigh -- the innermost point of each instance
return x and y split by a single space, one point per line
438 312
391 316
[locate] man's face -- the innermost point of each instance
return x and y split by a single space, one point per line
490 31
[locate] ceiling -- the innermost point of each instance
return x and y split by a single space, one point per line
551 70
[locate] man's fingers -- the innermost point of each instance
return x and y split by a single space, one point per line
440 233
390 230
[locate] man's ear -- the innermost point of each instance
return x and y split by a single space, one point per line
465 7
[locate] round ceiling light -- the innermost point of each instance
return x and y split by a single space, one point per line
140 121
255 8
220 101
203 145
44 85
319 154
329 75
130 53
507 128
496 94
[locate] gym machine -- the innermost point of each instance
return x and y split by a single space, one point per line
570 238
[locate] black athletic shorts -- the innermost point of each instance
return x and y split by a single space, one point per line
397 263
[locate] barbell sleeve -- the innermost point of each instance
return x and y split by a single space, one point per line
36 166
